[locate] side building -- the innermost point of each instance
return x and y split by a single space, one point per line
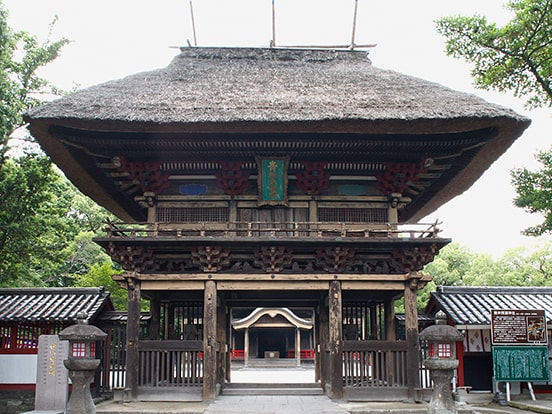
270 202
468 308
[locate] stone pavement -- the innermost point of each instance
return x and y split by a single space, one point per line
473 403
296 404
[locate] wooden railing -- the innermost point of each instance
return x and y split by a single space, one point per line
170 363
374 364
274 230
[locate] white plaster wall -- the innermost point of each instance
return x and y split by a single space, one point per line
18 369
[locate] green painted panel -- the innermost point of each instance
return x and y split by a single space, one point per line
520 363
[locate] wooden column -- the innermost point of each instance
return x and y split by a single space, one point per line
210 341
246 348
335 341
389 310
222 340
411 325
316 344
298 346
324 335
155 322
133 329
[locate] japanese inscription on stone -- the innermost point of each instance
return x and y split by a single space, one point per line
518 327
51 378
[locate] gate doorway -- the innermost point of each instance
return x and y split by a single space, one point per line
272 345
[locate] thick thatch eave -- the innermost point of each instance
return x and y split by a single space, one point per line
219 90
221 86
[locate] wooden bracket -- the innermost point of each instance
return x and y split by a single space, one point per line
335 259
313 179
211 259
273 259
232 179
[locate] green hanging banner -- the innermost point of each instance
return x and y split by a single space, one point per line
272 180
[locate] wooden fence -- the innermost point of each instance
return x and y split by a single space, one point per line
170 363
375 369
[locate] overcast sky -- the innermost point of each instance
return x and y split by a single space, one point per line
115 38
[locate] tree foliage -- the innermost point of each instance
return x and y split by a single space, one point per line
21 56
456 265
99 274
534 192
46 224
514 57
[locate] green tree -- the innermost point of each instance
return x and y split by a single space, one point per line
24 191
99 274
514 57
534 192
21 55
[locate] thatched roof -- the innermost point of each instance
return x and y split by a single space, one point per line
222 90
269 85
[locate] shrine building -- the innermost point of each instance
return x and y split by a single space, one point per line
270 204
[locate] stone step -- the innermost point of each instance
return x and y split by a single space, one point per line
272 389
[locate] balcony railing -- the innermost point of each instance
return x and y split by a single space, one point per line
271 230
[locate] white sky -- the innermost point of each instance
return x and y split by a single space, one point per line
112 39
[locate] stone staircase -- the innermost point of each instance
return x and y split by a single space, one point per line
247 389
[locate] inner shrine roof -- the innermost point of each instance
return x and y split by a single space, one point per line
213 104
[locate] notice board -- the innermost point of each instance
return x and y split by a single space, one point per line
521 363
518 327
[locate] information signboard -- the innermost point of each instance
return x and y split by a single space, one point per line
518 327
520 363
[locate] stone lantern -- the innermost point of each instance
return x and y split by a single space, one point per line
441 339
82 363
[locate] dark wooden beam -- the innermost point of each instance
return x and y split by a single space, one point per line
133 330
336 341
411 326
210 341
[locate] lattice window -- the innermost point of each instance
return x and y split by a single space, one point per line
353 215
192 214
363 321
185 321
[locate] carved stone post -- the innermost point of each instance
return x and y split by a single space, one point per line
82 363
441 363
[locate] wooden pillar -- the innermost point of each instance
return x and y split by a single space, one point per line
222 340
411 325
298 347
133 330
155 321
324 337
210 341
246 348
389 311
336 341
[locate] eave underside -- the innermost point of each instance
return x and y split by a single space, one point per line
443 155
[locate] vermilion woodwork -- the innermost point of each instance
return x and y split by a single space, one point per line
397 176
273 259
147 176
412 259
232 179
313 179
131 258
211 259
334 259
